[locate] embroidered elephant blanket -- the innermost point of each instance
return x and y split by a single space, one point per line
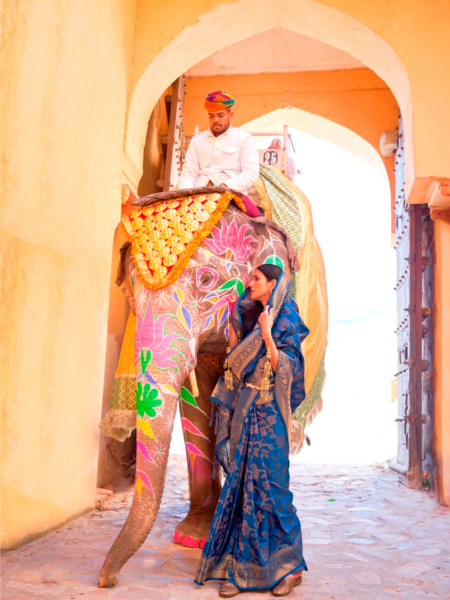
165 234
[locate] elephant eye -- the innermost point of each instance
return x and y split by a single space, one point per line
206 278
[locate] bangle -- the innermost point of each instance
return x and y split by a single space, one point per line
267 338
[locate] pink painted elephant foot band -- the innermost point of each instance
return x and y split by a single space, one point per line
177 537
189 542
185 540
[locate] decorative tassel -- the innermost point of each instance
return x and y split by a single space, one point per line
265 381
228 373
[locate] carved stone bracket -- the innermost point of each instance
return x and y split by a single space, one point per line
438 199
128 196
388 143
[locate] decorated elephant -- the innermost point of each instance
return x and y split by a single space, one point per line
192 253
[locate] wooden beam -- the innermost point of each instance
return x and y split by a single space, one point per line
175 132
414 478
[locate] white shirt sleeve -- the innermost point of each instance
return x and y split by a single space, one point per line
249 162
191 169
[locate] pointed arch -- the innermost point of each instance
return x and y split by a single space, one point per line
244 18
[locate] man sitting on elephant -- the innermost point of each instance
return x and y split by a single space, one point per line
222 155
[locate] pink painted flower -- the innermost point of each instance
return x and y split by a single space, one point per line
152 342
231 240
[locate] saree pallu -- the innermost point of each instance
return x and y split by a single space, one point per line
255 538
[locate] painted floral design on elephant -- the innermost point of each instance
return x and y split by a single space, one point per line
192 451
269 249
232 240
152 341
165 347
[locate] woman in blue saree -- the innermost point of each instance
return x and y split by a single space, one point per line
255 539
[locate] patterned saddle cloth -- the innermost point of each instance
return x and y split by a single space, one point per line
164 234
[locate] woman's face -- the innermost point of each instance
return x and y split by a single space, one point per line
260 287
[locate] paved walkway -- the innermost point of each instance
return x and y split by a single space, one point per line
366 536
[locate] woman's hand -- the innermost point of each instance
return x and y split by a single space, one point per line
266 321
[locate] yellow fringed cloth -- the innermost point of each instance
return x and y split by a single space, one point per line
165 234
120 420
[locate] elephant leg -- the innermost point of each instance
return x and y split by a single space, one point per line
153 441
204 491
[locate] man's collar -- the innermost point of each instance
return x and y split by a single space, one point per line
210 133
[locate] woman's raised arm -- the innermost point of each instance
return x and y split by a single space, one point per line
233 339
266 322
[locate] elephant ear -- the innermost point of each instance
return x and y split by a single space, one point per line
294 262
293 259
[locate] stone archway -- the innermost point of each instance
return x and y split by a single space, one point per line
244 18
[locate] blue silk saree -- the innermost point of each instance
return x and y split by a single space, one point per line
255 538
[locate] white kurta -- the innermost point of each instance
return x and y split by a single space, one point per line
231 158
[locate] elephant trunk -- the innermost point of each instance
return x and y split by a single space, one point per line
151 466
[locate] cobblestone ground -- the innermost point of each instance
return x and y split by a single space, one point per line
365 536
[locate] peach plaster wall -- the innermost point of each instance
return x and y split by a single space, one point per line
65 72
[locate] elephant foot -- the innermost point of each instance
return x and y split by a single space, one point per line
192 531
107 579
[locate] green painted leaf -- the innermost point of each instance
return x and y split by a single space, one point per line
228 285
146 400
186 395
153 394
239 287
145 360
274 260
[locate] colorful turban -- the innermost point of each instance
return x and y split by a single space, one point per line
216 101
275 145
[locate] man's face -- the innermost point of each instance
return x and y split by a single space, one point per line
220 121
